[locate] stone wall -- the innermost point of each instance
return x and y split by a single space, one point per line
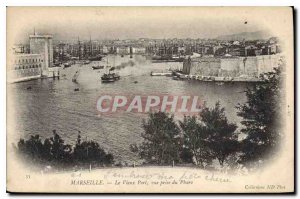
205 66
231 66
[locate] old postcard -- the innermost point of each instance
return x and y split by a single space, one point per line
150 99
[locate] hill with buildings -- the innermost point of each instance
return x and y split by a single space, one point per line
257 35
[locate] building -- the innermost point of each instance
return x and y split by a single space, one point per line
25 67
231 66
138 50
20 49
105 50
42 44
123 50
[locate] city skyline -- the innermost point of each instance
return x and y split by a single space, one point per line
247 36
132 23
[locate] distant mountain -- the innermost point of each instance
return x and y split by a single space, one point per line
246 35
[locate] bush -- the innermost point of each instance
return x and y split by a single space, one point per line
54 151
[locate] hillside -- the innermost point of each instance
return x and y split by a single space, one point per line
246 35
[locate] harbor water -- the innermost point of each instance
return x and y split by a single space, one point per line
53 103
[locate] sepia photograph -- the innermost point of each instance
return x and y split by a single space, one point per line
150 99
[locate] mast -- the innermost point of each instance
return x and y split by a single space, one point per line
107 63
114 60
91 46
79 49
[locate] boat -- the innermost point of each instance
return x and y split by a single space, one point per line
97 67
95 58
86 62
166 58
57 64
176 78
66 65
219 83
110 77
161 73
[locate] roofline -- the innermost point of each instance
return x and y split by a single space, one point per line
27 55
41 36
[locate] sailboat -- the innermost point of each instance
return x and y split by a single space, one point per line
107 66
74 79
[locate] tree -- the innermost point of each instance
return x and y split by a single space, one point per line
195 147
59 150
31 148
221 138
161 136
261 118
210 136
91 152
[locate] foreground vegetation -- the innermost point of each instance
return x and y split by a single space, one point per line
210 137
54 151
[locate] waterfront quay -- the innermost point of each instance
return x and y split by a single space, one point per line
200 59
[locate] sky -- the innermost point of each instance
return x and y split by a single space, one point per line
69 23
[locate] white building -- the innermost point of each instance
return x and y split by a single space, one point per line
38 63
24 67
138 50
42 44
